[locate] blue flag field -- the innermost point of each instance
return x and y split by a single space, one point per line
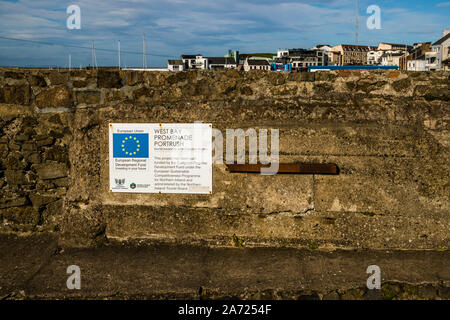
130 145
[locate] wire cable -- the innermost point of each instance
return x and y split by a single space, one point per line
81 47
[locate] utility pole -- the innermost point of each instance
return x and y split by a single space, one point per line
119 52
144 58
357 22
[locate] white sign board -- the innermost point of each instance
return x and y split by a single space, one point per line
160 158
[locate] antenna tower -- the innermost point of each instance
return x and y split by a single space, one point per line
94 58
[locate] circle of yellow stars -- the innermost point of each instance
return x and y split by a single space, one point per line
130 138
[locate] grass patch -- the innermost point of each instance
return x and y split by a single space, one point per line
237 242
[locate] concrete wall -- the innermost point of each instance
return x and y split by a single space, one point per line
387 131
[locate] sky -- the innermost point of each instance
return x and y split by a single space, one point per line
209 27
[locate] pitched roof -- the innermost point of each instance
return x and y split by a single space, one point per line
354 47
442 40
396 44
221 60
421 43
175 62
301 52
258 63
269 55
393 54
189 56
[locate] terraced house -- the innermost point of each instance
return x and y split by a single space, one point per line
351 54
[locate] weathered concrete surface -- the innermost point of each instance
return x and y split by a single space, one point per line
387 131
264 194
21 258
143 270
323 229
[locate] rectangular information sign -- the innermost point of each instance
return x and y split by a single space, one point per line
160 158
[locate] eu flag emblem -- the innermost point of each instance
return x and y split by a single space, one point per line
130 145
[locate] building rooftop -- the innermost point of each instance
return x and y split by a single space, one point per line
258 63
176 62
442 40
189 56
355 47
221 60
396 45
259 55
393 54
301 52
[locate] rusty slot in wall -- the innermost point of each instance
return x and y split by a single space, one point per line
288 168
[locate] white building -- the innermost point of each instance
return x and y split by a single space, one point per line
256 65
327 53
301 58
199 62
416 65
387 54
175 65
374 57
283 53
439 52
220 63
391 59
194 62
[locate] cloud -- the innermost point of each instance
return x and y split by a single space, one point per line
443 4
173 27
